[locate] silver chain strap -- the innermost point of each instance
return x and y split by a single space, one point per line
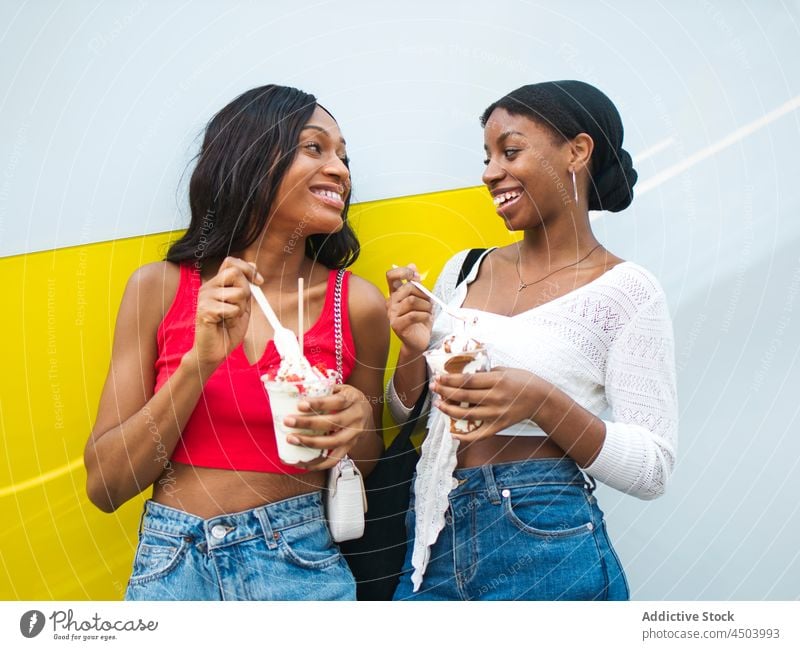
337 325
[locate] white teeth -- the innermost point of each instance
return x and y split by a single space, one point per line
505 196
329 194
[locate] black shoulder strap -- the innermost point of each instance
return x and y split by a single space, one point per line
469 262
411 423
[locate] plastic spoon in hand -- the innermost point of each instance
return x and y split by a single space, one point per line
447 309
453 313
285 340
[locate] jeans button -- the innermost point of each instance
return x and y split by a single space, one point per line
219 531
506 493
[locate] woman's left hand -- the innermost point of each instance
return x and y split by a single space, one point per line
499 398
346 414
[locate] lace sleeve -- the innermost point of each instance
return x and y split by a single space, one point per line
399 411
638 454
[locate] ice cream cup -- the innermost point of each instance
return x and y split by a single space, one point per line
466 362
283 399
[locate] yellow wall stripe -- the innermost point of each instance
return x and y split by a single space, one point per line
42 478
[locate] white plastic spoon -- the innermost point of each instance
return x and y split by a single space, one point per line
285 340
447 309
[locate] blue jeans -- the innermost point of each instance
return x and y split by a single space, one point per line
280 551
528 530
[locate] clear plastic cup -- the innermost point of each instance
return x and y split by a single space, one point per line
472 361
283 399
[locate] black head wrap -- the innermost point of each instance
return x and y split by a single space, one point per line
572 107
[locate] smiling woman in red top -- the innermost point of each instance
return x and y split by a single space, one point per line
184 409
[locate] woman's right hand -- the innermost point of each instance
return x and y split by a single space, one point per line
223 312
410 311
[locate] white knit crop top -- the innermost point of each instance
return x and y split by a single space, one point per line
608 345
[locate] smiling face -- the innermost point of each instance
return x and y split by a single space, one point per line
313 191
527 170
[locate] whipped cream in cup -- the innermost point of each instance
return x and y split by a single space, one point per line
459 354
294 381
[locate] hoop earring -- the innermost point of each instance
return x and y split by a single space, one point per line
574 187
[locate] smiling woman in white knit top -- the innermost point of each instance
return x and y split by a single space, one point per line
573 333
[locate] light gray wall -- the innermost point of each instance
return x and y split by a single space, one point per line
101 103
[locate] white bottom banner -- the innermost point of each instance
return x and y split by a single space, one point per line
378 626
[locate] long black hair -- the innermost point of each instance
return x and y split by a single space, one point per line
247 149
568 108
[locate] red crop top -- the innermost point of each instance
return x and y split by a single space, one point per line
231 426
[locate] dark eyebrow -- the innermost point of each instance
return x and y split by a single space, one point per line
321 130
507 134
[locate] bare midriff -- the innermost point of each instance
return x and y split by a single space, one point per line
207 492
507 449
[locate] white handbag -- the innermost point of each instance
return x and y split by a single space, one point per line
345 498
345 501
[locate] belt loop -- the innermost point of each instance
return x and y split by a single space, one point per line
270 536
141 519
589 483
491 486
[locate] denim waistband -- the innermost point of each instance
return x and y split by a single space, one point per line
536 471
226 529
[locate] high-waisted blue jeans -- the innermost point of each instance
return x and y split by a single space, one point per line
280 551
528 530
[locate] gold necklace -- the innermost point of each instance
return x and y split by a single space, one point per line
525 285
